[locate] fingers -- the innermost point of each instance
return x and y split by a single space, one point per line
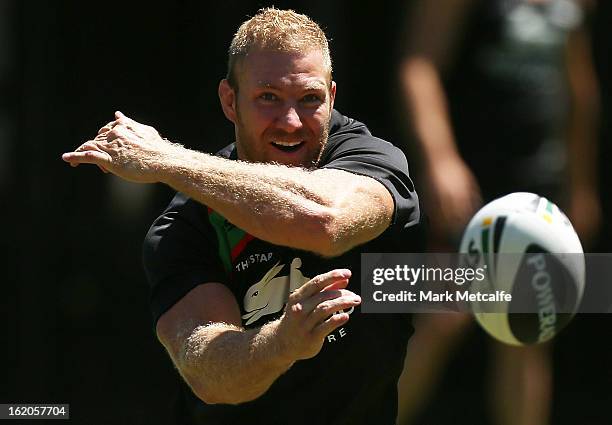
120 118
108 127
323 310
89 145
339 284
322 296
96 151
338 277
87 157
328 326
90 152
314 310
116 133
326 300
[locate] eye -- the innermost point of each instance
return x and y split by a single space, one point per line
312 98
268 97
254 294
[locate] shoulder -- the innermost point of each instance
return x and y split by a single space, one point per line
341 124
351 147
343 128
348 136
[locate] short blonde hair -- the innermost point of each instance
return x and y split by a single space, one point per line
277 30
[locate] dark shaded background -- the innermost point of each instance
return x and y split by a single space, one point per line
77 327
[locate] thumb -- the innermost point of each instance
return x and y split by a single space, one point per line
119 115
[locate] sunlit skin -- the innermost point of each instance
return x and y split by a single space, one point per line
284 98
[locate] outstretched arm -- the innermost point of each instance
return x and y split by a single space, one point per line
324 211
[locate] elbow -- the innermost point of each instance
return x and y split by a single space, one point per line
331 247
210 397
200 389
335 230
220 395
324 230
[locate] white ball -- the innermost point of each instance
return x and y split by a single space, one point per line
523 223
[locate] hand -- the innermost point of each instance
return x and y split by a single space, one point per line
310 314
126 148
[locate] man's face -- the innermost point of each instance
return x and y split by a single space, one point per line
282 107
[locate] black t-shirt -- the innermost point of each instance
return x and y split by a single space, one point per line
353 379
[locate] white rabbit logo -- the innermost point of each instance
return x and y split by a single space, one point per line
269 295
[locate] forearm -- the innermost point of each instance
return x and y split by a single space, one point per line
252 196
584 113
428 107
226 364
583 149
325 211
426 60
283 205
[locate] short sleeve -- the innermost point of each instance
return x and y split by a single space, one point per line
179 253
369 156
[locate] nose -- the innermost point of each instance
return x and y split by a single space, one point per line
289 120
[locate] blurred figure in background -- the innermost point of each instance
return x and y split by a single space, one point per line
502 98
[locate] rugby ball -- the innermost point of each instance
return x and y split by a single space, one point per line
529 250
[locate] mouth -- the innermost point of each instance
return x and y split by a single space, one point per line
288 147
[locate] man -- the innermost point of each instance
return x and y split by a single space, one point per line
250 264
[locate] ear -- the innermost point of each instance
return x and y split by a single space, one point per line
332 94
227 96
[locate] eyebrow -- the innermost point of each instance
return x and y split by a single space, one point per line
315 85
311 85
